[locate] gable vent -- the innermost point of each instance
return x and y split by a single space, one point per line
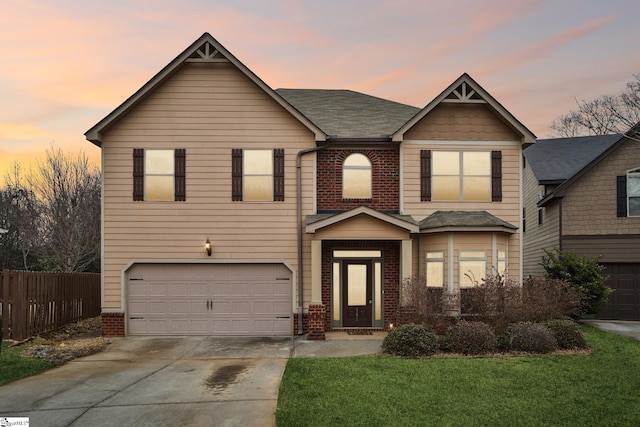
207 53
464 93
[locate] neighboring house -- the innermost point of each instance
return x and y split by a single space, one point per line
583 194
315 204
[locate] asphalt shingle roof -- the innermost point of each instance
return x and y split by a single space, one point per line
556 160
349 114
441 219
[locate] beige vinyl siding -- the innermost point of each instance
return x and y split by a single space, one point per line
472 122
208 109
538 237
362 227
589 204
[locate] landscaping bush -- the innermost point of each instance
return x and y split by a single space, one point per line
547 299
567 333
470 338
528 337
584 274
411 341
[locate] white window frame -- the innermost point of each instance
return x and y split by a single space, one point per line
346 168
435 259
461 175
150 174
247 174
633 174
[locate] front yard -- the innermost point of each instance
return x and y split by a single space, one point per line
601 388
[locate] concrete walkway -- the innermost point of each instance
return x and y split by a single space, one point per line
620 327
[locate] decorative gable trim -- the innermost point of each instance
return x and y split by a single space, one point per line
466 90
205 49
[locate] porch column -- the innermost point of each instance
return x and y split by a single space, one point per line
406 261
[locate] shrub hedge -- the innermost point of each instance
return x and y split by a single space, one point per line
529 337
470 338
411 341
567 333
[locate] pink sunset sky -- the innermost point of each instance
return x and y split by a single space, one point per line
66 64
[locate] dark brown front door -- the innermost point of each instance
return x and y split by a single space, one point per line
356 293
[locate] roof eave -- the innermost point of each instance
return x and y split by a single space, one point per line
95 133
457 228
312 228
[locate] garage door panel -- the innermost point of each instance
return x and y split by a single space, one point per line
624 302
210 299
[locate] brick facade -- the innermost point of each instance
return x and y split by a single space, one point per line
390 271
113 324
385 166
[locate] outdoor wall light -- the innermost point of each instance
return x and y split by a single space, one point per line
207 246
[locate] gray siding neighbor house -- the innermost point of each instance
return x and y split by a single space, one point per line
583 194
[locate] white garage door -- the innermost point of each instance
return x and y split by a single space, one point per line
210 299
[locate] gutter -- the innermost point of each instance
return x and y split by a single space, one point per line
299 215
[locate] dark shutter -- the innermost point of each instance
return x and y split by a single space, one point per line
425 175
138 174
496 176
236 174
621 195
180 175
278 174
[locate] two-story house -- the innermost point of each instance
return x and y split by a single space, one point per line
230 208
582 194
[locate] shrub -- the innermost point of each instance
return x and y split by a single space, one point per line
411 341
546 299
567 333
426 305
470 338
529 337
584 274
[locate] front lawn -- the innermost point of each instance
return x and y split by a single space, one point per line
602 388
13 366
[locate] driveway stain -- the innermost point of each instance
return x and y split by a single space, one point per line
222 377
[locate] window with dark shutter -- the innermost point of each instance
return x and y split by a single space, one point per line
425 175
496 176
138 174
278 174
621 195
180 175
236 174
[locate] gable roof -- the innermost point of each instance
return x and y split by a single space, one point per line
440 221
345 114
466 90
204 49
317 222
553 161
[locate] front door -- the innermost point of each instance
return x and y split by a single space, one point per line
356 293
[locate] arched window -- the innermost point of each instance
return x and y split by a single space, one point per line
356 177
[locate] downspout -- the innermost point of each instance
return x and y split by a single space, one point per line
299 214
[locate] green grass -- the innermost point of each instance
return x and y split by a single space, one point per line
599 389
14 367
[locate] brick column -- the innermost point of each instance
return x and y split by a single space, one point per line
316 317
113 324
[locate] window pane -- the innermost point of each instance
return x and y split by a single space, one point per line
357 254
435 273
445 188
435 255
258 188
634 206
446 163
377 278
472 254
357 160
476 163
476 188
633 186
357 283
158 162
336 291
472 272
356 184
158 187
258 162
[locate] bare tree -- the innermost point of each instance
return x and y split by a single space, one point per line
69 190
607 114
20 213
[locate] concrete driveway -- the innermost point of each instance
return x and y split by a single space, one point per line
177 381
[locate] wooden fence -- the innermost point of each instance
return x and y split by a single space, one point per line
35 302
